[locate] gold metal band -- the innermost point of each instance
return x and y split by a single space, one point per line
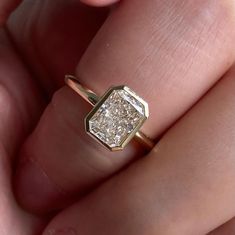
84 92
93 98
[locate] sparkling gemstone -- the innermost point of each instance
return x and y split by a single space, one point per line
117 117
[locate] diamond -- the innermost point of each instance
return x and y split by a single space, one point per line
117 117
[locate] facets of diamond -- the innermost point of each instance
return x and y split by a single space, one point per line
134 102
130 127
116 118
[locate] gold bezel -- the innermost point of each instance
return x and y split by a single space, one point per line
98 105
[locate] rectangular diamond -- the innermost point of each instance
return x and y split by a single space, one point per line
117 117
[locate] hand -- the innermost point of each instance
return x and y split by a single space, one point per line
22 99
15 123
172 53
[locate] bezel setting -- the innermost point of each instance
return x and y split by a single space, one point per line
116 118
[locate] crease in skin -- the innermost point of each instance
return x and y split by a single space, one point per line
23 105
227 228
9 209
207 27
206 128
87 141
30 25
6 85
35 33
33 161
78 132
6 7
66 231
64 46
33 30
30 29
9 104
181 41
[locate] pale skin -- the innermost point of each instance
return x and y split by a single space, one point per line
179 56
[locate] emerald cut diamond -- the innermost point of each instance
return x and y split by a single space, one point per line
117 117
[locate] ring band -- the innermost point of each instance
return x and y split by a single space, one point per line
117 116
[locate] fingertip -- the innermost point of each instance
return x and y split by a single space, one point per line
99 3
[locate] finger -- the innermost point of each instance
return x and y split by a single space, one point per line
99 2
21 104
184 186
6 7
225 229
169 66
19 110
67 27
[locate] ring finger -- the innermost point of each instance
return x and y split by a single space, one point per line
170 52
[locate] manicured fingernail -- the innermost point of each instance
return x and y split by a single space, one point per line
34 189
68 231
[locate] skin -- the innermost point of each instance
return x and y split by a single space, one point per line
99 3
20 112
15 126
185 184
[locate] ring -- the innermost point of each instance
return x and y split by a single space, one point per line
116 117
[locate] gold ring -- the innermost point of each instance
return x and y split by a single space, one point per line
116 117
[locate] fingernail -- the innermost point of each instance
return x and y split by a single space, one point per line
34 189
68 231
